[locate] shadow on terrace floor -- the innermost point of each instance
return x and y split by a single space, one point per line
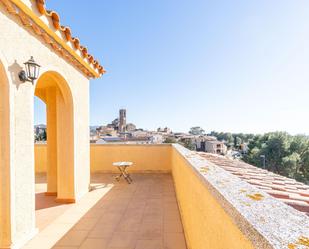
46 209
142 215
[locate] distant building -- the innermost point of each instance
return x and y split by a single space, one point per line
117 128
130 127
139 134
122 120
164 130
215 147
107 131
105 140
114 124
201 140
156 139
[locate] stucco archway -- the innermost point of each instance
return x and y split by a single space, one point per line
53 89
5 206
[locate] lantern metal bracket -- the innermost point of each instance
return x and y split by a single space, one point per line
23 77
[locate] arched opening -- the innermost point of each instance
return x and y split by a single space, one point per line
54 91
5 206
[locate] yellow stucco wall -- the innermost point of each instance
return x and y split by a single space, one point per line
16 46
145 158
5 205
206 224
40 158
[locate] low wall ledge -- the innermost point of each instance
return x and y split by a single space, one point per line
131 145
266 221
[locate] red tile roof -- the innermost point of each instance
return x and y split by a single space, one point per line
289 191
65 44
68 34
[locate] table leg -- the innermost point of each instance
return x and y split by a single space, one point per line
120 175
124 174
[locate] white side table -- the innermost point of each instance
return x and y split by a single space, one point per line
122 166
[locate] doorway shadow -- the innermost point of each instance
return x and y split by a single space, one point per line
42 201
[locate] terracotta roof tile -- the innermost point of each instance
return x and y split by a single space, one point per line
299 205
68 34
79 55
289 191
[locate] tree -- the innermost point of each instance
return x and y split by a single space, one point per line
253 157
232 140
197 131
44 136
237 142
284 154
275 149
291 164
189 144
170 140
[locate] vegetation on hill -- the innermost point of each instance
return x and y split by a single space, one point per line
232 140
284 154
197 131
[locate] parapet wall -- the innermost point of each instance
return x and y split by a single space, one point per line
205 221
219 210
146 158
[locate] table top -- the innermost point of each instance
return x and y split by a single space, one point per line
121 164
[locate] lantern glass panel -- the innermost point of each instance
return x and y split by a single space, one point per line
27 70
32 69
37 72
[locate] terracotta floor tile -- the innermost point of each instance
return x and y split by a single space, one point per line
102 231
120 247
150 230
130 224
123 239
169 214
64 247
95 213
136 203
94 244
173 226
73 238
134 212
154 211
158 203
154 219
86 224
110 218
174 241
149 244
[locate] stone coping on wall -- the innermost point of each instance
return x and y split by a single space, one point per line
119 144
132 145
267 222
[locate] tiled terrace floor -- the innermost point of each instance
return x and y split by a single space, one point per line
142 215
46 209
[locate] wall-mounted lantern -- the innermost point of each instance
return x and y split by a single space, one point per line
32 71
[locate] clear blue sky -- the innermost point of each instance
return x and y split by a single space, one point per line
239 66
